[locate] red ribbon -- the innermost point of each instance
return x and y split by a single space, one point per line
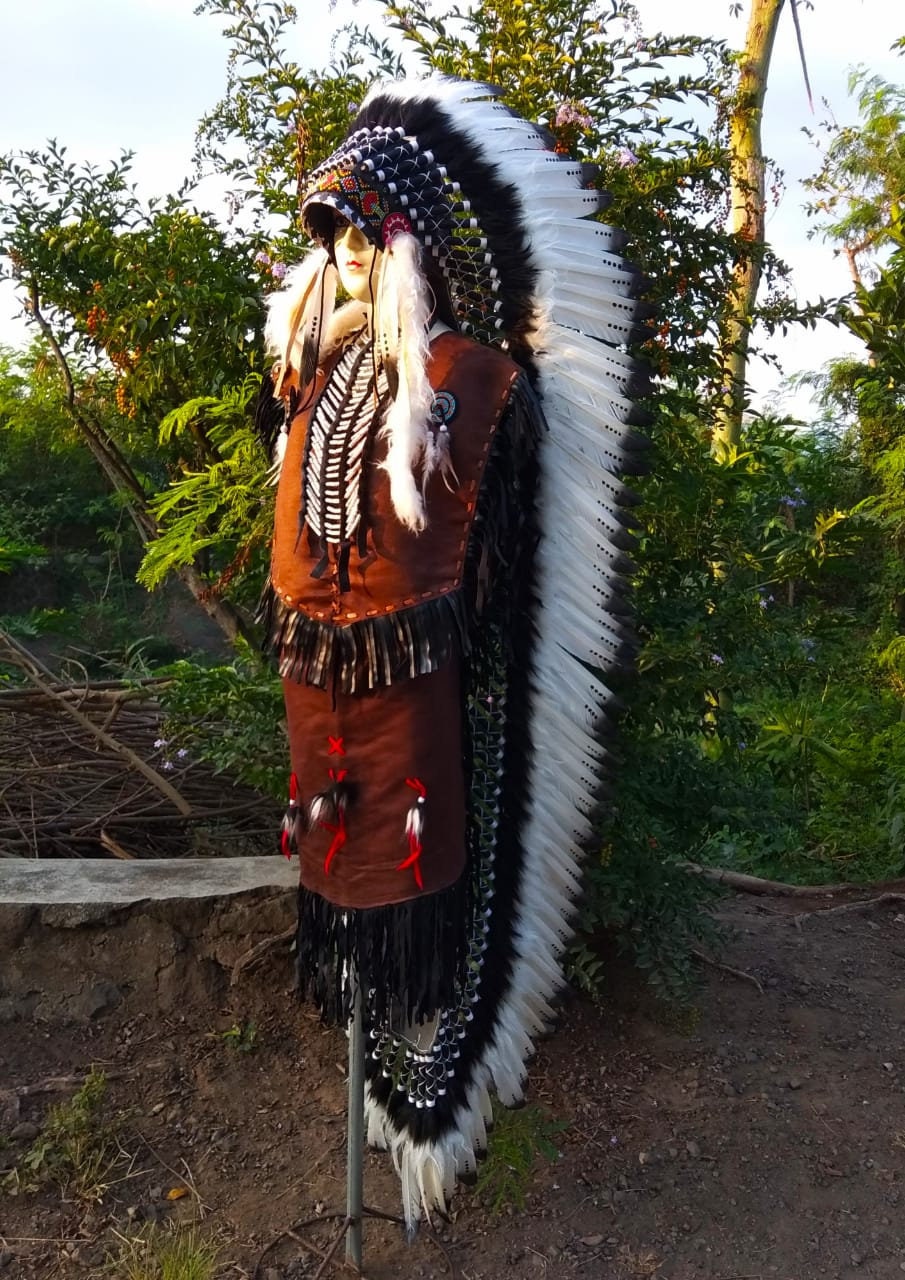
339 839
339 827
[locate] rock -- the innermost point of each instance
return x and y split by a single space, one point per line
273 1274
794 1082
101 997
693 1149
592 1241
6 1258
9 1110
25 1131
14 1008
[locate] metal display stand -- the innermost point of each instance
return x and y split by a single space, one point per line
351 1221
356 1211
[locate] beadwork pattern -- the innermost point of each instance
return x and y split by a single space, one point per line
341 425
421 1072
381 172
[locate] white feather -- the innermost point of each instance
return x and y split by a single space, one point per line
406 425
585 312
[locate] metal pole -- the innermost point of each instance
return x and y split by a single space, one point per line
354 1156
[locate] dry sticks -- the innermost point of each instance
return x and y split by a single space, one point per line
82 775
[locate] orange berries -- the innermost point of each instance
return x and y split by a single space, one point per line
95 318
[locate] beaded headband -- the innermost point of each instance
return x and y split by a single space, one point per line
383 182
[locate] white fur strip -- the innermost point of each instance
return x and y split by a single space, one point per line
406 425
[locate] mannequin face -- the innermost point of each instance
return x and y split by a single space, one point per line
355 256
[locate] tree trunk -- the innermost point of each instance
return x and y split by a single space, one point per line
747 189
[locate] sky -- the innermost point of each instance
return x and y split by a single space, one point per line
107 75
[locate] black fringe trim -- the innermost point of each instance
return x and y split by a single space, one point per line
407 958
270 414
368 654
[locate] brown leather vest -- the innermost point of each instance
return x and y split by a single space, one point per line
399 568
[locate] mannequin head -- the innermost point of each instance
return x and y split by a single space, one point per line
358 261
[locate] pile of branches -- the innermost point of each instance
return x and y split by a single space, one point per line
83 773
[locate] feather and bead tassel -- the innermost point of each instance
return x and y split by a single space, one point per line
443 409
328 810
289 830
414 829
443 460
299 314
403 329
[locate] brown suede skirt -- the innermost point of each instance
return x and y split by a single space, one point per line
381 797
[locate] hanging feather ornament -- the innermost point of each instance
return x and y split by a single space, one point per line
414 829
402 325
288 831
327 810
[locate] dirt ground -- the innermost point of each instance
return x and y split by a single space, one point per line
759 1135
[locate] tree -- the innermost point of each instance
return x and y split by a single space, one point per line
140 307
747 221
858 191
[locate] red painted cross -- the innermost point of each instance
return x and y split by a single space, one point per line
335 747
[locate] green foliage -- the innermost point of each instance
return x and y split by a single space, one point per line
232 717
76 1148
144 307
858 189
519 1137
163 1253
241 1037
638 892
14 554
226 505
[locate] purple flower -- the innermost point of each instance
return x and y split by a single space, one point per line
278 270
763 604
160 742
181 753
262 258
716 659
743 746
167 765
571 113
626 158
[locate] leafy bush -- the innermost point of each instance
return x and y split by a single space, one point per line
230 716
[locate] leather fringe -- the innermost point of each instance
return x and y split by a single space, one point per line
368 654
407 958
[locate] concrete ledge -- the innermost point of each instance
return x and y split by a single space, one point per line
71 881
81 938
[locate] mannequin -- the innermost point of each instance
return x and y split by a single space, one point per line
358 261
446 578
